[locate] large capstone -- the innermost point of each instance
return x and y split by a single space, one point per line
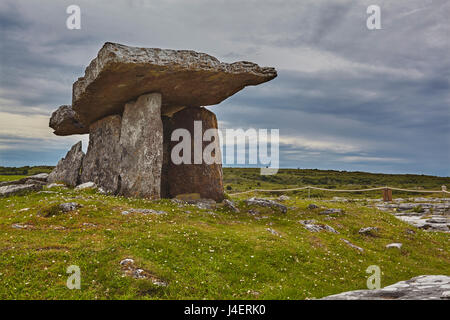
141 154
65 122
195 175
101 163
185 78
68 168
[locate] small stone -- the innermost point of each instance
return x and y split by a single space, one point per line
312 206
86 185
56 185
331 211
394 245
274 232
231 205
283 198
267 203
69 206
369 231
353 246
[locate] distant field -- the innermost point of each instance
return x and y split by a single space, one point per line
243 179
10 177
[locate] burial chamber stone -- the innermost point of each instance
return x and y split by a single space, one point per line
101 163
65 122
68 168
203 178
141 148
184 78
148 93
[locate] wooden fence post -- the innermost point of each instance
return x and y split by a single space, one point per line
387 194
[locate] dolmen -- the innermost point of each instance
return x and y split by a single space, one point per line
130 102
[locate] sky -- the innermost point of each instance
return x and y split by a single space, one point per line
346 97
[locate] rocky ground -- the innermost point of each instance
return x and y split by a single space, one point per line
418 288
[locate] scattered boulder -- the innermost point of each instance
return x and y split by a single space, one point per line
283 198
312 206
313 226
69 206
331 211
57 209
143 211
266 203
230 205
18 189
68 168
394 245
426 287
129 268
368 231
100 165
353 246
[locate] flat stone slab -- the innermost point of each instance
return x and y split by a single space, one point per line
17 189
427 287
185 78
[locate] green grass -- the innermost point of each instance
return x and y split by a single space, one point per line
11 177
223 255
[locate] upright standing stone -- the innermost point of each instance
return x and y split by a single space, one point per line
100 165
68 168
141 141
205 179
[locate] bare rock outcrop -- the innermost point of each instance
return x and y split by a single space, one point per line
429 287
68 168
101 163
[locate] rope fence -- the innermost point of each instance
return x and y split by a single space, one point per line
387 191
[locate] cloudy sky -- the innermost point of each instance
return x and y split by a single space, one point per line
345 98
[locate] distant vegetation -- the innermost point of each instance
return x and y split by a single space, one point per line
24 171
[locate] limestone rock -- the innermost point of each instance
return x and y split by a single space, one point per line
231 205
141 143
86 185
16 189
101 163
368 231
40 178
427 287
352 245
121 73
68 168
266 203
394 245
205 179
65 122
313 226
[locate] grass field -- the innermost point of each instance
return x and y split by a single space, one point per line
212 254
